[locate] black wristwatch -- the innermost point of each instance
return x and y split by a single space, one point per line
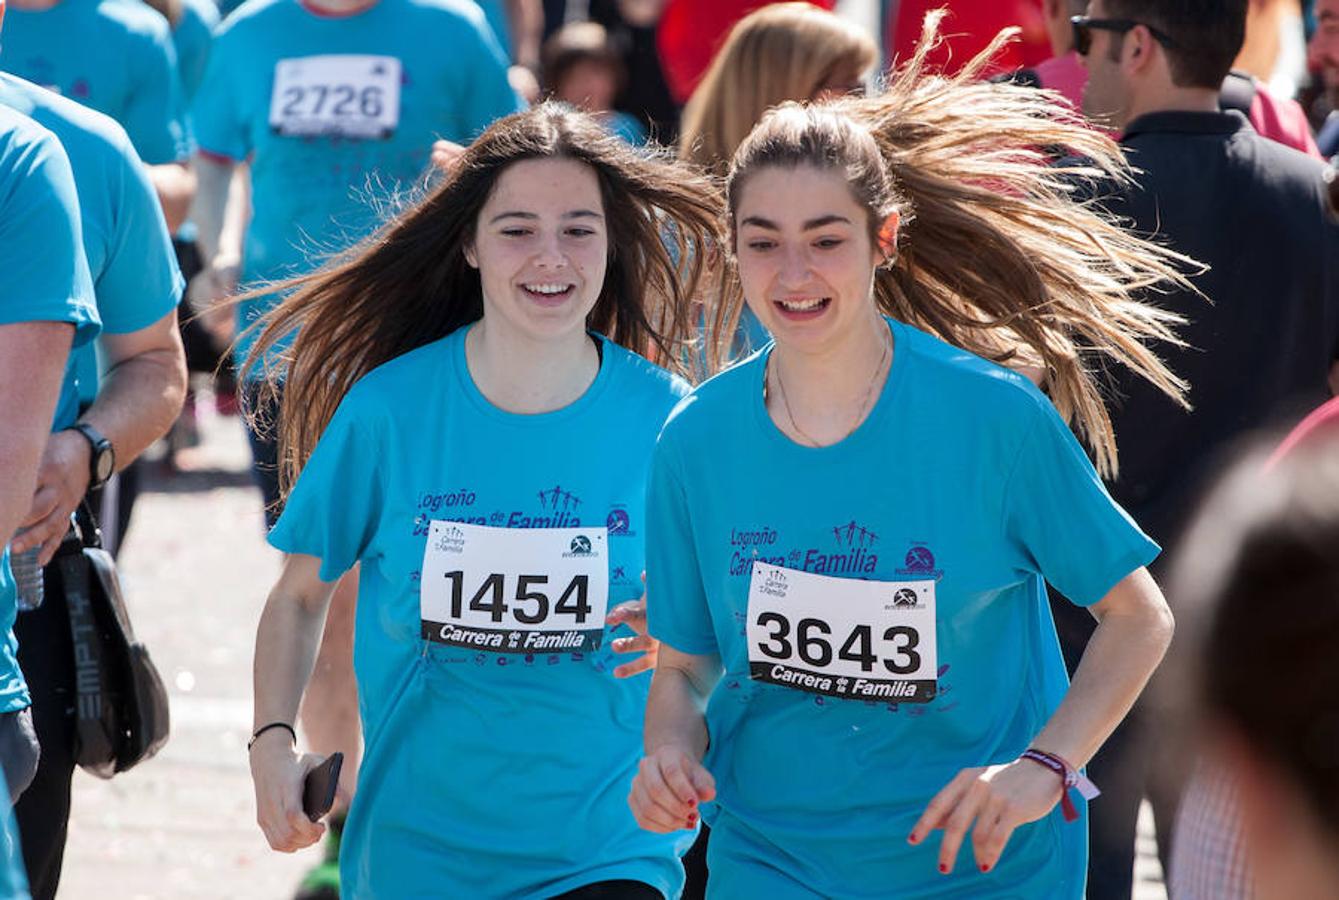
102 461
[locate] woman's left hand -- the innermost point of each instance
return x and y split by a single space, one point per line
997 799
633 614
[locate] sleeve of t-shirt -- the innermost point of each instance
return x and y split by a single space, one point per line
140 281
156 116
215 114
334 507
41 246
1058 512
484 92
676 602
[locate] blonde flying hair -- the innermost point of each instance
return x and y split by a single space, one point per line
995 253
785 51
409 284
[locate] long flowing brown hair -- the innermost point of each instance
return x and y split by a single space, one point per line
410 284
784 51
995 253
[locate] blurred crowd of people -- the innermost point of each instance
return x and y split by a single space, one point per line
165 162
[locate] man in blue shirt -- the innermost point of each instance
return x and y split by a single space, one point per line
136 286
45 308
117 58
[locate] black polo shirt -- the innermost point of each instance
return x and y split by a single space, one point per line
1260 353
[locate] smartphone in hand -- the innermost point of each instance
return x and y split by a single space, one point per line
318 789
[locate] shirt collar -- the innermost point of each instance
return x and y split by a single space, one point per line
1185 122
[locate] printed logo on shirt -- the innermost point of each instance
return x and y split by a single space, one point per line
853 553
920 561
619 523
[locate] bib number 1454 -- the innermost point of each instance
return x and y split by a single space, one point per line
514 590
842 637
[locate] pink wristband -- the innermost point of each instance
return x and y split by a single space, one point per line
1069 776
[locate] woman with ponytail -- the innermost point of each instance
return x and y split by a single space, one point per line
849 533
468 412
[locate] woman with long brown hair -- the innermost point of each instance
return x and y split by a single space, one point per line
468 412
849 533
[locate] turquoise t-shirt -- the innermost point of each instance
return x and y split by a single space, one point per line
495 12
192 38
45 280
964 485
311 100
111 55
135 276
486 774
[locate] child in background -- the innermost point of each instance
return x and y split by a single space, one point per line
581 67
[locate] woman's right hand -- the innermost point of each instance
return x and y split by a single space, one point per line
667 790
277 773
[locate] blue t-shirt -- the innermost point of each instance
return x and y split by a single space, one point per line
314 194
111 55
135 276
495 12
45 279
192 37
962 476
486 774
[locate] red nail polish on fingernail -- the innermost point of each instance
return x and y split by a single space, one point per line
911 838
985 868
943 868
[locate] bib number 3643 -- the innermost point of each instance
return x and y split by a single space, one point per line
515 590
842 637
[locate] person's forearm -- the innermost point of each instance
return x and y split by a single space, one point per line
526 18
138 400
211 209
1117 663
32 363
675 712
175 186
287 641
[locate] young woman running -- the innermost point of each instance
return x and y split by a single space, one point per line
849 533
468 414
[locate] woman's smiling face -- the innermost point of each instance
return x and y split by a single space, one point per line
806 259
541 247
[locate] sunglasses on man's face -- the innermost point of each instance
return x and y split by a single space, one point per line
1084 26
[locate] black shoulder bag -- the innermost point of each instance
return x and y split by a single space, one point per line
121 709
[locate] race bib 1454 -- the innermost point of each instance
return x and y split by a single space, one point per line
842 637
515 590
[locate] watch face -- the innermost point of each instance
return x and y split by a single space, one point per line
105 464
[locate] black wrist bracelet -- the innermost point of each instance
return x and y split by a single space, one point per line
264 728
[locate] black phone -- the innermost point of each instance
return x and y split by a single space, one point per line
318 788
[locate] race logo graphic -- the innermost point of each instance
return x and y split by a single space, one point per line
619 523
555 499
905 598
580 545
774 583
450 539
920 562
854 535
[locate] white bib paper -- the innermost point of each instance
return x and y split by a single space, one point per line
344 95
515 590
842 637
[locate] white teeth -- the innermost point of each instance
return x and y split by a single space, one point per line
547 288
803 305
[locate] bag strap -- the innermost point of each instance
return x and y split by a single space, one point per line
1238 92
89 531
88 651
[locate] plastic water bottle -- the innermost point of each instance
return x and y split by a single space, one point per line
28 578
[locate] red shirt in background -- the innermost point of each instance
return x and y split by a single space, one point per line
968 29
691 31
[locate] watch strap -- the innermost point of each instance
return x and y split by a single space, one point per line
99 445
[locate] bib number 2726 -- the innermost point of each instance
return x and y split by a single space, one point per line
513 590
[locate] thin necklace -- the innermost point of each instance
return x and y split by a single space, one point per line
860 415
